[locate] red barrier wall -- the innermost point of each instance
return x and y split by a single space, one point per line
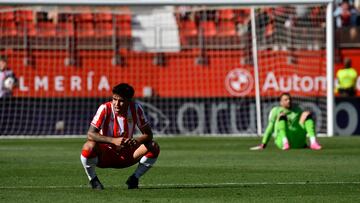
224 76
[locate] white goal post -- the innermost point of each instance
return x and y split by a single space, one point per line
256 48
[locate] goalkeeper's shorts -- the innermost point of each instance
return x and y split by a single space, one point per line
296 139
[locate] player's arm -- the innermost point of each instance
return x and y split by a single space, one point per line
337 83
146 136
268 131
97 122
93 134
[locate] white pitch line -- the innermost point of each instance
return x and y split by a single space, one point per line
159 186
254 183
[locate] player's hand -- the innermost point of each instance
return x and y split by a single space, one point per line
130 142
121 142
118 141
258 147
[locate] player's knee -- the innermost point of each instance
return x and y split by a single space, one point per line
305 116
89 145
88 149
309 115
153 149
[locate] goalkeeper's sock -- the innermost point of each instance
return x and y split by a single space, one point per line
312 140
310 127
144 165
282 133
89 165
282 128
285 142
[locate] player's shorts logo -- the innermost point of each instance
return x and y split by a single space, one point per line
239 82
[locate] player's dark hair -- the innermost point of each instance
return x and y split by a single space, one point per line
124 90
347 63
284 94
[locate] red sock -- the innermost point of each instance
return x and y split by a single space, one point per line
153 154
88 153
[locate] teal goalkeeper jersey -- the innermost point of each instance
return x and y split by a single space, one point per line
293 118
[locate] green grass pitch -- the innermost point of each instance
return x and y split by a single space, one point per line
189 169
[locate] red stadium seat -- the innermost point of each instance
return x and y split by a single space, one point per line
124 15
85 29
84 17
123 18
104 14
7 16
188 28
8 28
123 29
226 28
208 28
226 14
26 28
103 29
103 17
46 29
24 15
65 29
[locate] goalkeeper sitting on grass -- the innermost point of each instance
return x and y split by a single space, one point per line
290 127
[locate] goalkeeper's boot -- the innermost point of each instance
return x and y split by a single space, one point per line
286 146
315 146
96 184
132 182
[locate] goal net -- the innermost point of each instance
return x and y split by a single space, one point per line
196 69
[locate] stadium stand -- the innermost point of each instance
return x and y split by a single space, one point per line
226 29
104 29
46 29
7 16
123 28
226 15
8 28
65 29
85 29
104 15
198 28
26 28
207 28
24 15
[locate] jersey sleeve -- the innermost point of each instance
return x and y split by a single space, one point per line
99 118
271 125
141 119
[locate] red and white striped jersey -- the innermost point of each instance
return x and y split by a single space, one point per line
112 125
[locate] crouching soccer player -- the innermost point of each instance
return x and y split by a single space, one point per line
290 127
110 142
